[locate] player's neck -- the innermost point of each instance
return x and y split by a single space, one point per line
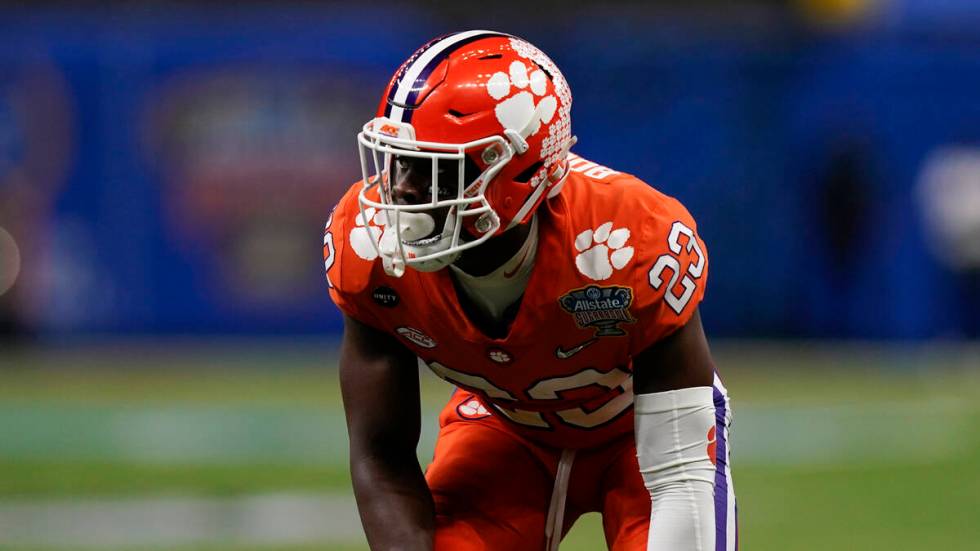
492 254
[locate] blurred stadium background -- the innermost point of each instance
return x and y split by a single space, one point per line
168 350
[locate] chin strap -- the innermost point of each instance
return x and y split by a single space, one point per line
517 140
391 259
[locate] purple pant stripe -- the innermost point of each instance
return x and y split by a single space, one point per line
721 479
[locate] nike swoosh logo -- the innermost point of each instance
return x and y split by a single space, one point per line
565 354
511 273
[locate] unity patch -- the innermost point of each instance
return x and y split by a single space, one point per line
385 296
601 308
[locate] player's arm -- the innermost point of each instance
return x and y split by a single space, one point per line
674 414
379 381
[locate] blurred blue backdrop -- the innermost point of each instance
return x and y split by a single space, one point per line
168 170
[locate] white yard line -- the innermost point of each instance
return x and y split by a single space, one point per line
268 519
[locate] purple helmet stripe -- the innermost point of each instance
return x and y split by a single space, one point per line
404 69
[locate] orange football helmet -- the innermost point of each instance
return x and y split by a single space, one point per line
497 110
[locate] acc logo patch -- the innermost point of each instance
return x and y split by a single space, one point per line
389 130
472 409
602 308
417 337
385 296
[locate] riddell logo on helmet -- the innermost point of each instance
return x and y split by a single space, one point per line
389 130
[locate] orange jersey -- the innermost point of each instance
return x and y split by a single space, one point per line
619 266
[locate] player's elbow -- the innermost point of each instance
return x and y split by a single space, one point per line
386 454
694 476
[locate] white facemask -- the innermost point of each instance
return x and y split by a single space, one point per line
403 245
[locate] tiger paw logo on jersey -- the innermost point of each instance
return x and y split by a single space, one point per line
602 251
472 409
602 308
499 355
366 234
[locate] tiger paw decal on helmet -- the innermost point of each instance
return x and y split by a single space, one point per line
522 111
602 251
366 234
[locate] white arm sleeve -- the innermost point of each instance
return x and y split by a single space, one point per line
672 439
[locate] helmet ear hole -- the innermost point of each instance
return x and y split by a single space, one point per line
526 174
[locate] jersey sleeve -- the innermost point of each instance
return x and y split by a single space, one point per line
673 262
348 272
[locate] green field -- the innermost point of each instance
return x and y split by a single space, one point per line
835 447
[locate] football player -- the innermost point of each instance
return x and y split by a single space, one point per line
559 296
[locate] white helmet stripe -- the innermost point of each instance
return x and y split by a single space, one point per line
407 83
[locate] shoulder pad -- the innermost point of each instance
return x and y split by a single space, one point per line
628 234
672 260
